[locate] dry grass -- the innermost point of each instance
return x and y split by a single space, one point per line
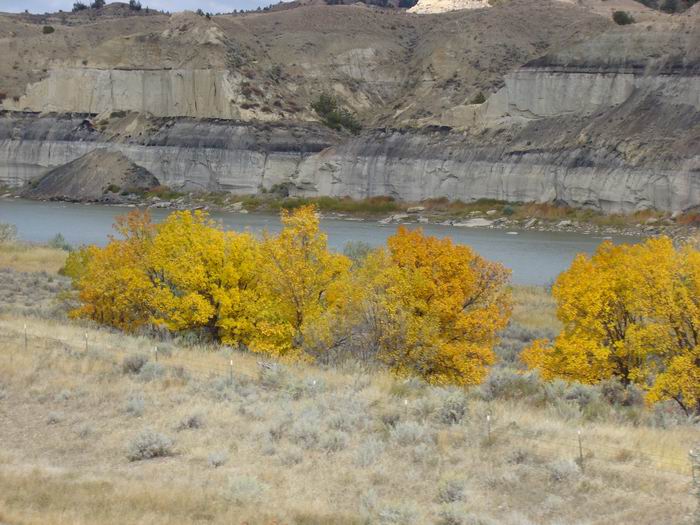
301 445
534 308
32 294
29 258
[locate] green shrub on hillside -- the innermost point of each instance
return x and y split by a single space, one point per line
622 18
479 98
334 116
47 30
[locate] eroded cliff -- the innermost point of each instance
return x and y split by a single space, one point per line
577 110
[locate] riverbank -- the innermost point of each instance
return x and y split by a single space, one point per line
490 214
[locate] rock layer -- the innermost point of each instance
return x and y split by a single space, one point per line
580 111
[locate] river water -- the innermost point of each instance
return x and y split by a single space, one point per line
534 257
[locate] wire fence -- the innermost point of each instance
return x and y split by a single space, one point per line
580 446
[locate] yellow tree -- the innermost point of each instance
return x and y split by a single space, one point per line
631 312
202 277
301 280
668 283
438 307
596 305
113 287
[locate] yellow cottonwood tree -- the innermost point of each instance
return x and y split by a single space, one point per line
596 307
112 283
439 306
300 281
203 277
631 312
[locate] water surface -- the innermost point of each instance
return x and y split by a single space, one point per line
534 257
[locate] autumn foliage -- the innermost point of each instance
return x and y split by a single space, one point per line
438 308
633 313
421 305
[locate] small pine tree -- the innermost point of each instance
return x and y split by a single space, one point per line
135 5
97 4
79 6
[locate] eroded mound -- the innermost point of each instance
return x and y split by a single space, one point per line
96 176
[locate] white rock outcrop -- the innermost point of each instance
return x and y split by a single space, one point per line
442 6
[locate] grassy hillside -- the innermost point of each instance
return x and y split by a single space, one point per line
238 439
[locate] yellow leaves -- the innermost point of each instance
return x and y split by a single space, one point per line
423 306
441 306
632 312
679 381
300 281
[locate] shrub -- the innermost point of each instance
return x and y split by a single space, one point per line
334 441
453 408
97 4
334 116
479 98
368 452
59 242
670 6
132 364
622 18
410 433
451 491
217 459
453 515
148 445
135 405
135 5
272 375
403 515
245 489
191 422
47 30
151 371
54 418
305 431
563 470
8 232
617 394
79 6
85 431
292 457
510 384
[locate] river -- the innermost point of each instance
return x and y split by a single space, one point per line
536 258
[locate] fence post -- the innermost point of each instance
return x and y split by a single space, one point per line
580 450
86 343
155 352
230 371
695 464
488 427
26 345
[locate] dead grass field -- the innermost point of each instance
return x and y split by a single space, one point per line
29 258
301 445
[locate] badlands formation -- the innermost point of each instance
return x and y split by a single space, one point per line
527 100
